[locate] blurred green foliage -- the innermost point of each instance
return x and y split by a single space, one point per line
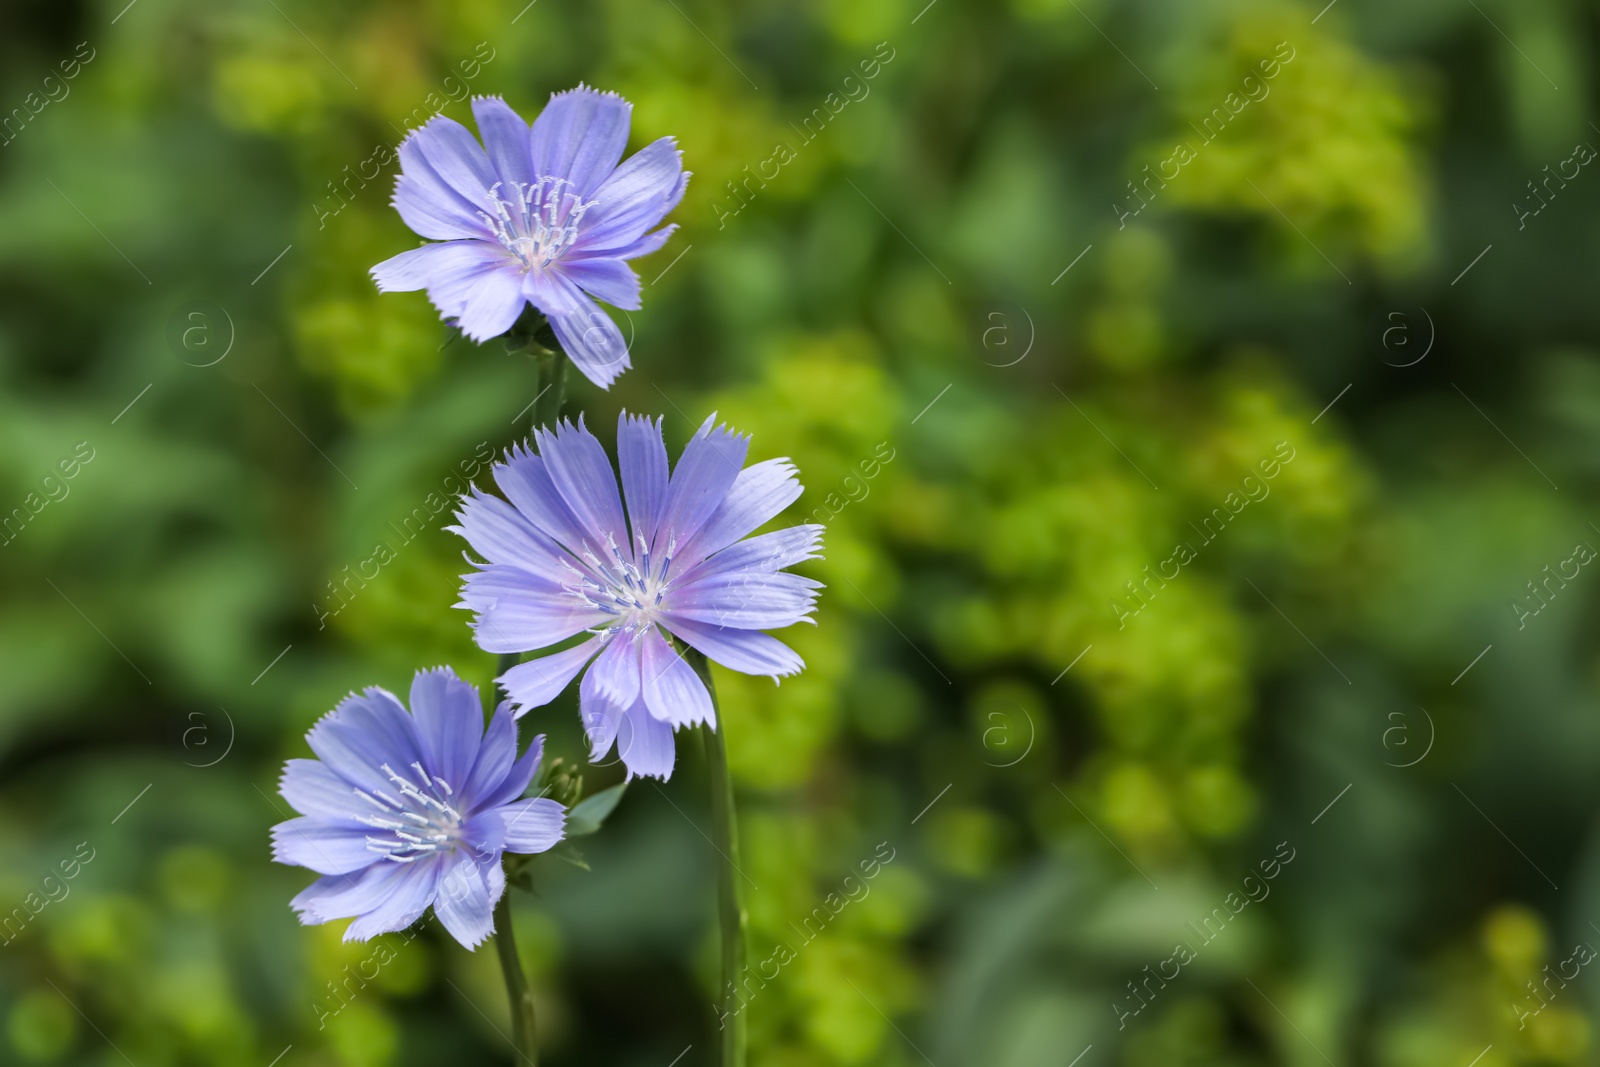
1011 396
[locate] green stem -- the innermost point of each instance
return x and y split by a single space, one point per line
524 1032
532 336
730 906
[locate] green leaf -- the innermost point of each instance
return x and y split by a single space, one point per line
588 814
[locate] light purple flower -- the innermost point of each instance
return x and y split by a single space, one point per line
560 560
542 216
406 809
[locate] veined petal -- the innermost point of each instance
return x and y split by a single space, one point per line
645 743
533 825
588 335
448 716
768 552
650 242
492 304
518 611
759 493
521 773
525 480
746 600
581 473
311 788
672 690
636 197
642 457
323 845
580 136
432 209
465 899
615 673
505 138
610 280
600 716
500 533
363 734
706 472
454 156
539 681
394 895
495 758
437 265
745 651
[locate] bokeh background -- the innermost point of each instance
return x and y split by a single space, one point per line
1015 366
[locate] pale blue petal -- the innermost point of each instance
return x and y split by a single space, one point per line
517 611
500 533
759 493
361 735
588 335
581 473
410 893
437 266
580 136
746 600
615 673
533 825
312 788
454 157
374 890
507 141
517 779
493 304
448 715
495 758
464 902
525 480
672 690
539 681
600 716
645 743
650 242
746 651
434 210
323 845
610 280
768 552
635 198
642 457
706 472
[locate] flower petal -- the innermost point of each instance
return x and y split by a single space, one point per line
492 304
432 209
516 610
539 681
448 716
495 758
615 673
465 899
672 690
581 473
650 242
635 198
746 651
533 825
525 480
501 534
610 280
323 845
588 335
437 266
453 159
759 493
645 743
600 716
642 457
768 552
580 136
311 788
746 600
506 139
362 734
706 472
391 895
517 778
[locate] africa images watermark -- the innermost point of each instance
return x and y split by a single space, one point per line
1253 488
55 890
1254 89
810 128
32 104
55 489
1184 953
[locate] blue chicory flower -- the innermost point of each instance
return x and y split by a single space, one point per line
561 560
402 810
541 215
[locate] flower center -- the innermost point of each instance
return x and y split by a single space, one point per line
420 823
536 222
629 589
